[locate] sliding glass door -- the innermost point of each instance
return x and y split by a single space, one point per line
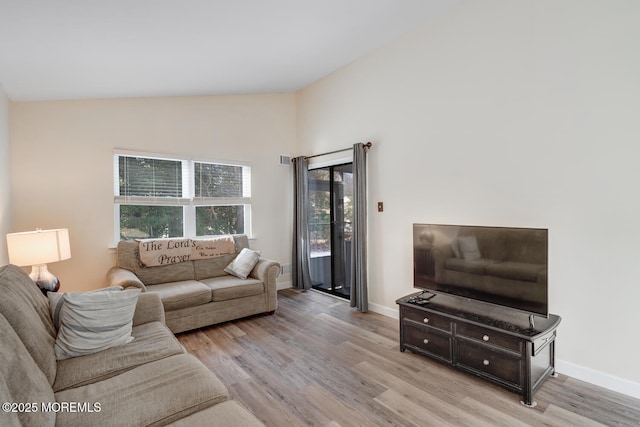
330 225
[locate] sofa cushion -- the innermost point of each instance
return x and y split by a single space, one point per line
27 311
516 270
152 341
95 321
225 414
212 267
166 273
242 265
177 295
149 309
21 381
156 393
129 259
230 287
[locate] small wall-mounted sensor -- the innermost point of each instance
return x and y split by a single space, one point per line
380 207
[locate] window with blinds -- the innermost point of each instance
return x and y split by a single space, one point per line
155 196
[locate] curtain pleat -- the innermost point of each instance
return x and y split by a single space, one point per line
359 292
301 251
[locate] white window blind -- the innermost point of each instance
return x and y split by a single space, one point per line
148 180
211 198
216 184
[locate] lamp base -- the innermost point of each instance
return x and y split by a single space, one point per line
46 281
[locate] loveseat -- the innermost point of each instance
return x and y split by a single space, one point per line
150 381
198 292
505 262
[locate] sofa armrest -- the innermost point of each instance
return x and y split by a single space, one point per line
121 277
148 309
267 271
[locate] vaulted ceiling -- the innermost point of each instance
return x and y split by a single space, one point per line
78 49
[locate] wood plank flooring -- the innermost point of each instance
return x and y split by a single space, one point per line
316 362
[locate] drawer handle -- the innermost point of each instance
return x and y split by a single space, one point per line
426 341
485 362
426 320
485 338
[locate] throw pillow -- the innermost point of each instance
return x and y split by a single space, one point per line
95 321
242 265
469 247
56 302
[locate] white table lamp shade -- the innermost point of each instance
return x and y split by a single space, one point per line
38 247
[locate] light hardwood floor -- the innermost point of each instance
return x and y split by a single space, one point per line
316 362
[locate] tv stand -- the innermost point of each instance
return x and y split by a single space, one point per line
496 344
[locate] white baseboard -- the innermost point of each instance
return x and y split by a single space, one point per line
385 311
578 372
598 378
284 285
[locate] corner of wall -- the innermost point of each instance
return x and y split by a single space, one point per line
5 174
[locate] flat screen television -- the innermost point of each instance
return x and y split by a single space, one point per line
504 266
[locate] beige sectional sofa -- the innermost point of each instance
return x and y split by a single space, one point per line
197 293
151 381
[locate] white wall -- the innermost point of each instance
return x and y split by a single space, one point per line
63 165
507 113
5 176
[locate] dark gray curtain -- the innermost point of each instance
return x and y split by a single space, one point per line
359 293
301 252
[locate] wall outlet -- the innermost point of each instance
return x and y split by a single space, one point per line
285 269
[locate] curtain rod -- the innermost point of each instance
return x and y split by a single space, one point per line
368 145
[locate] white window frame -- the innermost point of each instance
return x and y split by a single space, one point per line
188 201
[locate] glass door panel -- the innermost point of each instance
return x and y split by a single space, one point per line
330 225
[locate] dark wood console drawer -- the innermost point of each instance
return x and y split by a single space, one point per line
495 346
543 341
428 341
488 336
484 359
427 318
